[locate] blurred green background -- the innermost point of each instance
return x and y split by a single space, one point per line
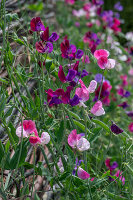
126 14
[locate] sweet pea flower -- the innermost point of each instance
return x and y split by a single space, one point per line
115 129
82 174
69 51
36 24
78 141
97 109
118 6
44 48
44 139
71 2
130 127
83 92
118 174
27 128
102 59
105 92
44 35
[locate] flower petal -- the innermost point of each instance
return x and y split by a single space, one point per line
82 174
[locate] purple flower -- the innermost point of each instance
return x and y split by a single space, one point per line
45 36
79 54
98 78
127 94
98 2
129 113
74 101
118 6
47 48
36 24
115 129
124 105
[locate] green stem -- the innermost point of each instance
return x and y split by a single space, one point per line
34 162
101 87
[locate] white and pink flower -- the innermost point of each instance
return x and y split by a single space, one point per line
102 59
97 109
78 141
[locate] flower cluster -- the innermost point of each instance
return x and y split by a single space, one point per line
28 129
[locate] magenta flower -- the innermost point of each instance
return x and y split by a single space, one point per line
45 36
44 139
73 74
130 127
28 128
118 174
69 50
97 109
78 141
102 59
44 48
83 92
36 24
71 2
105 92
82 174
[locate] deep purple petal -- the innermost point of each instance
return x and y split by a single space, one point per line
114 166
79 54
74 101
127 94
71 75
84 73
115 129
129 113
55 100
54 37
48 47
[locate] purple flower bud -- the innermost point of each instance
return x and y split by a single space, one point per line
115 129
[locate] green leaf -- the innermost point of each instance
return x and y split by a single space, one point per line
48 64
115 197
2 151
103 125
96 134
9 112
3 80
14 159
129 168
13 132
36 7
80 126
73 114
64 176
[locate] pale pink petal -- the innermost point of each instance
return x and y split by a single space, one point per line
101 52
83 144
19 132
81 104
45 138
102 62
110 64
82 174
130 72
72 138
82 92
97 109
92 86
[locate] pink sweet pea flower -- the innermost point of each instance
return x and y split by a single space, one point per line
102 59
83 92
44 139
122 178
34 140
78 141
130 127
28 128
82 174
97 109
100 53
